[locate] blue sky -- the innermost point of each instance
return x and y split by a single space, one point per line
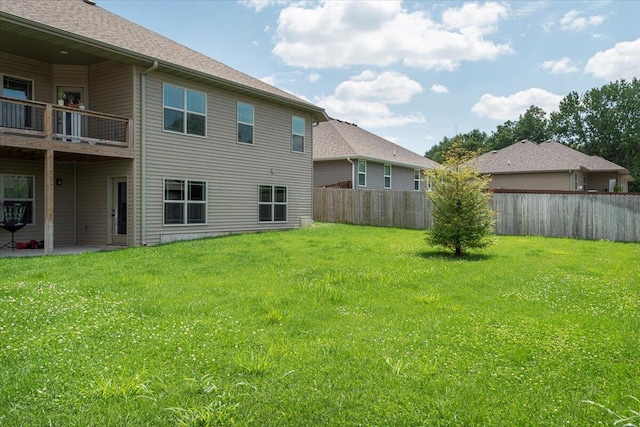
411 72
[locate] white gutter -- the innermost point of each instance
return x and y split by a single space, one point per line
143 150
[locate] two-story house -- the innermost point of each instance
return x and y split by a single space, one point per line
111 134
346 155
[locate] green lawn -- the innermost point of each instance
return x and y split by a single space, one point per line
332 325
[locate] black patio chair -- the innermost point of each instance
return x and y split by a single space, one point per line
12 213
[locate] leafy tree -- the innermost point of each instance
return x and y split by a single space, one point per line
504 135
462 215
532 125
474 140
604 122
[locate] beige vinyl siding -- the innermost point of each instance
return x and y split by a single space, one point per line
39 72
232 171
64 209
112 88
93 199
599 181
562 181
63 221
331 172
74 76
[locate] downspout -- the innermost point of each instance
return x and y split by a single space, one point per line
143 150
353 172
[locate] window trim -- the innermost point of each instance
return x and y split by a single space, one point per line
252 124
11 76
294 134
186 202
27 123
362 173
185 111
416 179
273 203
31 200
429 183
384 170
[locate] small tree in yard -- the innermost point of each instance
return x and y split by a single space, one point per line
462 214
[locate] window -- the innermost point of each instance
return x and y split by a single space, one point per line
185 202
272 203
429 183
185 111
245 123
387 176
297 132
416 179
17 191
17 116
362 173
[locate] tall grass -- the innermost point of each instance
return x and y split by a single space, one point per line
333 325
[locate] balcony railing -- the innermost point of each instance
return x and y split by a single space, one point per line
66 124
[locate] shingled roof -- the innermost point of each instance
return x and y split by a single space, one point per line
80 20
337 140
549 156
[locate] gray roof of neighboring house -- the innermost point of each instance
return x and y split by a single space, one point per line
549 156
337 140
83 20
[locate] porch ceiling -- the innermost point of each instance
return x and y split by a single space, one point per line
15 153
43 46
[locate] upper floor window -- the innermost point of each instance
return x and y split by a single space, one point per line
185 110
185 202
17 116
272 203
387 176
17 198
416 179
297 134
245 123
362 173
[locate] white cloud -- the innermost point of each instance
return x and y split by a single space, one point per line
439 89
573 21
270 80
474 15
259 5
382 33
512 106
620 62
365 99
314 77
561 66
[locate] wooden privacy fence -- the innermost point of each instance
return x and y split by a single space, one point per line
612 216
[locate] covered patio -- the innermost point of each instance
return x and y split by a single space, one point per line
65 250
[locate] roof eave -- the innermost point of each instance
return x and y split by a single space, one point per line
318 113
373 159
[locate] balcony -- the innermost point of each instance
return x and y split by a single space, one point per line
31 124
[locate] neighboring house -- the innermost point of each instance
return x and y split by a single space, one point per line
550 165
113 134
344 154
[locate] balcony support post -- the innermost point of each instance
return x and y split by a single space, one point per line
48 202
48 122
